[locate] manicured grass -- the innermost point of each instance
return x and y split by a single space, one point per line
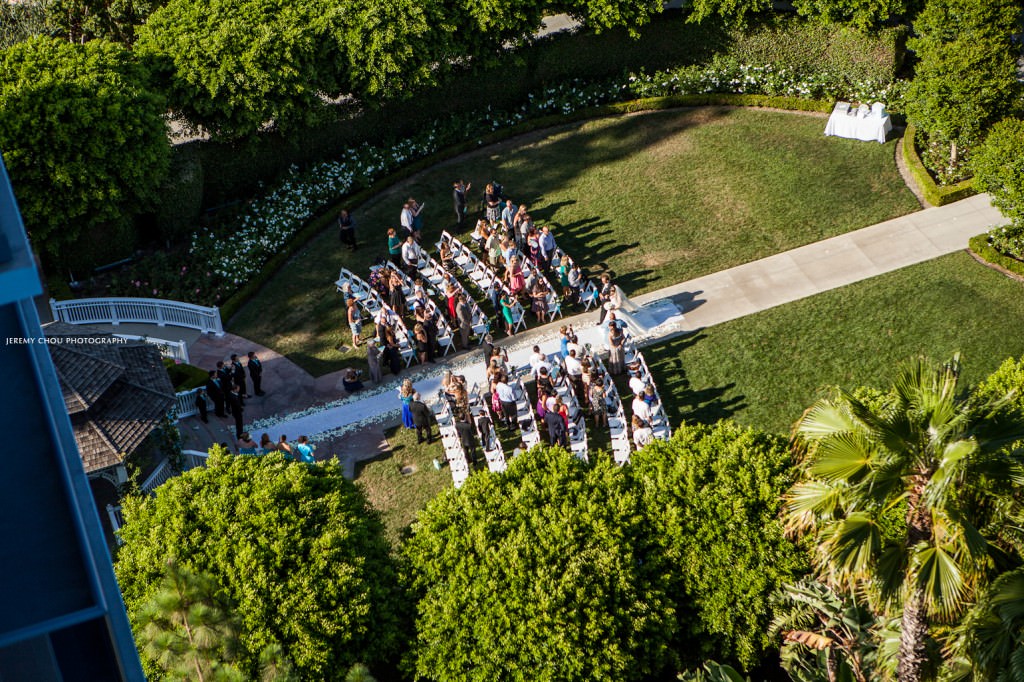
655 198
399 496
765 369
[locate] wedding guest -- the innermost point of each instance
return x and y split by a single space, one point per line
604 296
411 256
350 381
238 374
642 433
255 368
201 405
558 433
285 447
508 214
641 409
215 389
547 247
394 247
246 445
464 315
598 405
421 418
304 449
507 314
347 229
539 301
507 398
616 350
405 394
514 277
459 189
467 436
234 399
485 427
492 204
355 322
266 444
373 361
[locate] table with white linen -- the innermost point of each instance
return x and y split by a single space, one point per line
859 123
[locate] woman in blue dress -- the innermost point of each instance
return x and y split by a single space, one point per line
405 394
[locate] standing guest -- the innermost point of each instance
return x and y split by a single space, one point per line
557 432
575 282
480 233
563 341
347 229
547 247
492 249
391 354
538 360
616 350
485 427
397 297
305 450
285 447
636 384
421 416
246 445
226 375
492 204
255 368
544 381
563 279
533 248
459 190
515 232
523 234
373 361
598 405
642 433
405 394
201 405
604 296
506 313
355 322
464 315
394 247
514 277
215 389
539 300
574 370
508 214
410 256
542 402
417 218
452 296
234 399
266 445
494 294
507 398
422 343
405 219
467 435
430 327
238 374
488 348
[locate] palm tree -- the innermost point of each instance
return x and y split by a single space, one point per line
891 494
989 644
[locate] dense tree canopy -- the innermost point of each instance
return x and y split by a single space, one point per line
714 495
966 77
998 166
541 573
294 549
83 138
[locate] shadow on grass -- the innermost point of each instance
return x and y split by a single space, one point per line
684 402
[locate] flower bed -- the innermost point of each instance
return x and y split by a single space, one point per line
235 253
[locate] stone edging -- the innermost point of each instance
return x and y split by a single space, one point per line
994 266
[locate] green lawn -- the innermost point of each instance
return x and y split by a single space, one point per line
656 198
765 369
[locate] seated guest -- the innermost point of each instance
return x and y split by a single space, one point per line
641 409
246 445
350 380
304 449
538 360
544 381
642 433
636 384
649 396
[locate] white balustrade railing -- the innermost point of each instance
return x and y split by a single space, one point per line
145 310
185 403
175 350
116 520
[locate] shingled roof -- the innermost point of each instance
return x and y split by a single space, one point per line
115 392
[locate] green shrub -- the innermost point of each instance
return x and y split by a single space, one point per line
933 194
982 247
185 377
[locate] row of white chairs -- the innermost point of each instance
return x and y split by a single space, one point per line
371 302
453 450
444 330
659 419
617 424
493 452
577 423
525 414
482 276
438 278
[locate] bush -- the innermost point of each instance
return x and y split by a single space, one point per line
293 548
181 196
185 377
982 247
714 494
542 573
998 165
933 194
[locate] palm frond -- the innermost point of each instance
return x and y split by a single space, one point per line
940 577
853 545
841 457
824 419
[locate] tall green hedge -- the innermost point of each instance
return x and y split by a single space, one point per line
234 171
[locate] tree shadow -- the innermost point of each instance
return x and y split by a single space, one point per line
683 401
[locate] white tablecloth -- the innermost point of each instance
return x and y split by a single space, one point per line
847 121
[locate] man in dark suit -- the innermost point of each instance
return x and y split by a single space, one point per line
238 374
467 436
234 399
201 405
215 389
557 432
255 373
485 427
226 377
421 417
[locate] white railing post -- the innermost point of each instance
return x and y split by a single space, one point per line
53 309
182 352
114 514
159 316
218 326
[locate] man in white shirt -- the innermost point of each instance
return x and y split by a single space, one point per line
574 370
637 385
507 398
538 360
641 409
547 246
407 218
410 255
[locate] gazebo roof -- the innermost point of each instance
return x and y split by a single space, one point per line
116 393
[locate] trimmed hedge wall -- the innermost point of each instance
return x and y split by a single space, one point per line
983 250
326 216
234 171
933 194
